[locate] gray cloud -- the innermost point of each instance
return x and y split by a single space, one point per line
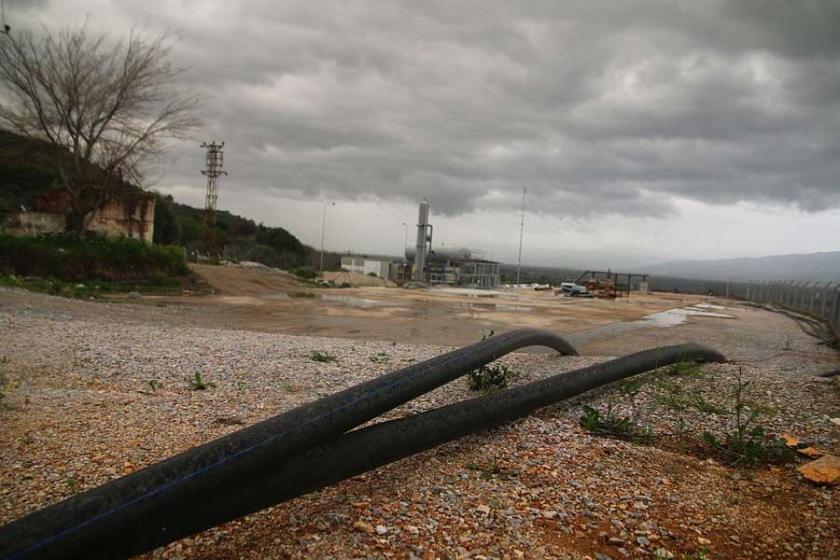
595 107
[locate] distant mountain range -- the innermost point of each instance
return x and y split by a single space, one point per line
811 266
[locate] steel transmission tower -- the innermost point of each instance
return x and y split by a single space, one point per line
214 163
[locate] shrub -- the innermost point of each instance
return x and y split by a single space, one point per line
93 258
490 377
305 272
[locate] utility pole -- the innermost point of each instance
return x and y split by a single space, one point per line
6 27
521 233
213 170
324 231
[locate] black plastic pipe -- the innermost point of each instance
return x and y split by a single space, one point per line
181 495
368 448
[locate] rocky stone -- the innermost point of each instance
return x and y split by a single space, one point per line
825 470
363 526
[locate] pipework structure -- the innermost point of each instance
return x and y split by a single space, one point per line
454 266
424 242
214 162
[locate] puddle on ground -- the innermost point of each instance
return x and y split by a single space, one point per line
708 306
501 307
674 317
490 306
468 292
663 319
351 301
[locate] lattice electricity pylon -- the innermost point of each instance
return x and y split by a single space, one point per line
213 170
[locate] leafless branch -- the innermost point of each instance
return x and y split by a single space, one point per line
106 108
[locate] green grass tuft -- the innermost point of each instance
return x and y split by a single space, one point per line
324 357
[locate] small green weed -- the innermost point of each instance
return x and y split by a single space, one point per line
761 408
685 369
490 377
324 357
699 554
700 403
289 387
608 423
748 443
631 386
489 470
672 395
153 385
199 384
380 358
676 397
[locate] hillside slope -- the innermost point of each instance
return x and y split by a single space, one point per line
28 168
823 267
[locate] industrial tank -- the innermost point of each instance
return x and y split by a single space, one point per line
441 254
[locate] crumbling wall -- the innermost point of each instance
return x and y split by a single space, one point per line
128 216
132 217
34 223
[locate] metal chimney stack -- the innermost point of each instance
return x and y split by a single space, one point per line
422 242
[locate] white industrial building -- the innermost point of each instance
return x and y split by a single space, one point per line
369 265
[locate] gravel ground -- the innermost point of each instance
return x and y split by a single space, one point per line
96 390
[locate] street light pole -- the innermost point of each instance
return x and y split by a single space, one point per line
521 232
324 231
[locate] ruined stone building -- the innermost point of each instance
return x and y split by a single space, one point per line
127 213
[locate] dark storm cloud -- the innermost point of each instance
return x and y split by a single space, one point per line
595 107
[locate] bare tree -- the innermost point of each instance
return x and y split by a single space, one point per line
105 108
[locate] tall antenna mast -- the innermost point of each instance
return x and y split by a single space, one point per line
214 163
521 233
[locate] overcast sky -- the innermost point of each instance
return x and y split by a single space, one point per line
643 131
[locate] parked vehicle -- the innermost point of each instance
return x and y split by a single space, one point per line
570 289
